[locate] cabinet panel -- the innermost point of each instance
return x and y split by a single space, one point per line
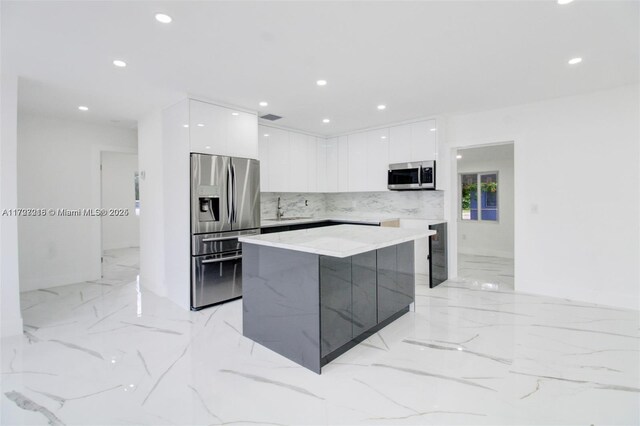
357 162
331 170
400 144
405 261
242 134
263 156
279 156
208 131
387 282
297 162
335 303
312 164
321 165
343 164
364 293
423 140
377 147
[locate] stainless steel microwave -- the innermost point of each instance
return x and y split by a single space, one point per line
415 175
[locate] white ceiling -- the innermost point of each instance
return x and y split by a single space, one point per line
418 58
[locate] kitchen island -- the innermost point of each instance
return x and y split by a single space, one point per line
311 295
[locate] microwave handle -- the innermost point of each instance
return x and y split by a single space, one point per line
420 176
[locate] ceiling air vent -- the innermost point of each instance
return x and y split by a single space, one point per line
271 117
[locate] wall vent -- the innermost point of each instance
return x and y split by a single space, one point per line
271 117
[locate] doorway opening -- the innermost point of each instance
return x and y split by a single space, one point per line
120 199
485 215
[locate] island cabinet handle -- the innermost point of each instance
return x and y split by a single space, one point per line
222 259
208 240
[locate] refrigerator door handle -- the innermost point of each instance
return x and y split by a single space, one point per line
229 195
235 193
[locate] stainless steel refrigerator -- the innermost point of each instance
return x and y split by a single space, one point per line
225 203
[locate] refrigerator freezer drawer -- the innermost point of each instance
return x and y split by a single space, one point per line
215 279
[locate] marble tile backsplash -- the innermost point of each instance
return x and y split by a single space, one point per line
405 204
293 204
392 204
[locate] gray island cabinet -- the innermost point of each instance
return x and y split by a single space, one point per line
311 295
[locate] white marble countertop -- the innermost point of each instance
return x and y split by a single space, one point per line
338 241
265 223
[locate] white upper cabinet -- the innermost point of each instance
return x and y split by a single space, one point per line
423 141
263 156
222 131
413 142
377 159
297 167
279 161
400 144
330 177
358 162
343 164
312 164
242 134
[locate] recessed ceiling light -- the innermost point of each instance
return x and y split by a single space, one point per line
574 61
321 82
383 137
458 156
266 135
120 64
564 1
235 113
382 107
326 120
263 104
207 147
433 130
83 108
200 125
185 126
161 17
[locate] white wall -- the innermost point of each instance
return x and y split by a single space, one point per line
118 192
489 238
576 192
59 167
11 318
151 202
165 203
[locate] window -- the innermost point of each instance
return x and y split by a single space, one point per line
479 196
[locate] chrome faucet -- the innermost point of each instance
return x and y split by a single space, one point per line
279 211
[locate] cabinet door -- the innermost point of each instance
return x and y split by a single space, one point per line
363 279
331 170
400 144
297 162
312 164
423 140
343 164
242 134
279 164
321 165
263 156
335 303
208 131
357 162
395 279
377 147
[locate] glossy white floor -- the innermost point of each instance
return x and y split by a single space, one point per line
472 353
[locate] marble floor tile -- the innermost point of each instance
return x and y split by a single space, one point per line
111 353
486 270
